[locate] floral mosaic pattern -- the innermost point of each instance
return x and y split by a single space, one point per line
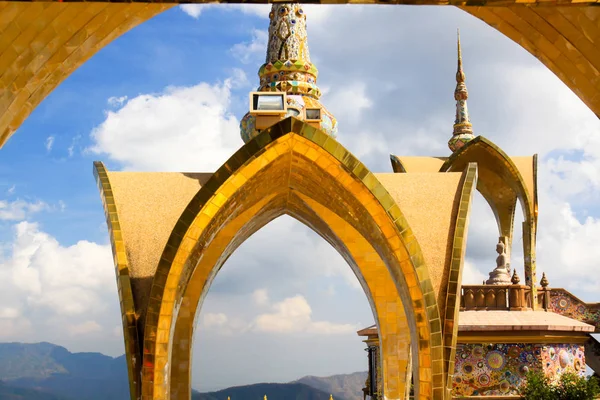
557 359
500 369
564 303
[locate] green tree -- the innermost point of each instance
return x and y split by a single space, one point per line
570 387
538 387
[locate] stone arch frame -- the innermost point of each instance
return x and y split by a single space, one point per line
498 171
202 219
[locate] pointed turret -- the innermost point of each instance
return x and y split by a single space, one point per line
288 69
463 130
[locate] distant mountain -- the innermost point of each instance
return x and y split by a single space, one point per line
44 371
348 386
48 368
16 393
273 391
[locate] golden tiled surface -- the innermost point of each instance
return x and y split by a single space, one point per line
451 306
128 311
294 169
564 38
501 184
42 43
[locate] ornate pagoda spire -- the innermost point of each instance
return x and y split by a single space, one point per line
288 69
463 130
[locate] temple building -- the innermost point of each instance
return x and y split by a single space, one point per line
172 232
502 333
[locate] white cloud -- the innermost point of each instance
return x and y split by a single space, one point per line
238 79
54 285
293 315
261 297
195 10
9 313
218 319
116 101
74 142
181 129
348 103
14 328
49 143
11 190
471 275
84 328
254 50
19 209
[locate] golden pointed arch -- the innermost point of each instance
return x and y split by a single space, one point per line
502 180
491 158
289 162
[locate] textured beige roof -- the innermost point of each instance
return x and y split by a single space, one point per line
518 321
481 321
368 331
422 164
525 167
428 202
148 205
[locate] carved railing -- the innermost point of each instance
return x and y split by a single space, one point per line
495 297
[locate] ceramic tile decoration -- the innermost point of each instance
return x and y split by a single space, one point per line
288 69
499 369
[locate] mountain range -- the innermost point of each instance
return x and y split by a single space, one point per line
44 371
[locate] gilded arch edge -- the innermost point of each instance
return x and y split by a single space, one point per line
356 170
128 313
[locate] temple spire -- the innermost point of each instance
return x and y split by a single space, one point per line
463 130
287 66
288 69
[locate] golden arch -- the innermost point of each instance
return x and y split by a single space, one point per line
42 43
501 180
172 232
296 158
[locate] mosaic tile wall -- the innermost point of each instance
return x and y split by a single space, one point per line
564 303
500 369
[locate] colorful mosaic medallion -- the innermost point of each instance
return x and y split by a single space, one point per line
500 369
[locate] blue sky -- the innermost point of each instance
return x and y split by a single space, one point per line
169 94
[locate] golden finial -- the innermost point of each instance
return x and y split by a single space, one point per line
544 282
265 397
460 75
330 397
463 130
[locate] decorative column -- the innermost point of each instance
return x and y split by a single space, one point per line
529 236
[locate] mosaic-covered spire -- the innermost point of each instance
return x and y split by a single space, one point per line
463 130
288 69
